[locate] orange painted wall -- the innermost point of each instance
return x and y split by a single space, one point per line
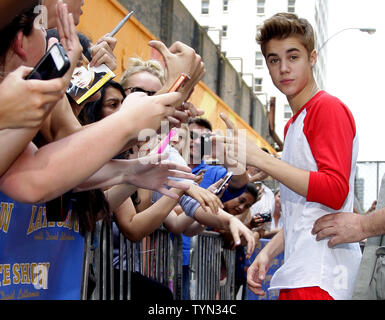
101 16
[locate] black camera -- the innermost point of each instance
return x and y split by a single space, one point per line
266 217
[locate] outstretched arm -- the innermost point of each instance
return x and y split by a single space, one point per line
151 172
135 226
42 174
246 149
331 135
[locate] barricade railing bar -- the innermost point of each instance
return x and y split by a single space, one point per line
227 291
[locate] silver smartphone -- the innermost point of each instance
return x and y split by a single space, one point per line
226 179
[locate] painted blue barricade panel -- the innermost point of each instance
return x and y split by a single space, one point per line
277 262
38 259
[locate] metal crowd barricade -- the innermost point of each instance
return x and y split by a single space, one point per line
161 259
155 256
158 256
205 266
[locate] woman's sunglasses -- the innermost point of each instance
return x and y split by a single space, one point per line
137 89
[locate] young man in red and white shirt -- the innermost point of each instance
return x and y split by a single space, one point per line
316 172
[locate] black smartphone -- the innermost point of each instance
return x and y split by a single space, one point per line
54 64
226 179
206 144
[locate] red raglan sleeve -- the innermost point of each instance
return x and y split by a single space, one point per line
330 130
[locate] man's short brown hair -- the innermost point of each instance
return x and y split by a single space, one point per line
285 25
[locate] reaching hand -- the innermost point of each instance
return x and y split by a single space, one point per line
147 112
183 113
233 152
206 198
198 179
256 273
215 185
153 172
192 110
68 36
238 229
180 58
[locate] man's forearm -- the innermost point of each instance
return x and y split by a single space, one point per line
374 224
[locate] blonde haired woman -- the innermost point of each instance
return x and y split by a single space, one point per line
144 76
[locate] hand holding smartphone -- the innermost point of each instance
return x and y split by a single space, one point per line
54 64
180 82
222 185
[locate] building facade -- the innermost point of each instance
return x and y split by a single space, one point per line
233 24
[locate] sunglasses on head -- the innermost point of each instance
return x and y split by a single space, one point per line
137 89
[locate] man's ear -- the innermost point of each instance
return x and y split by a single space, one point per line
18 46
313 57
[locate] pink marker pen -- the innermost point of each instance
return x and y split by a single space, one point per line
166 141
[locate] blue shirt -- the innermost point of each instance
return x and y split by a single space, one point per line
212 175
40 259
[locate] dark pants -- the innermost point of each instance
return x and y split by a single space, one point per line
186 283
142 288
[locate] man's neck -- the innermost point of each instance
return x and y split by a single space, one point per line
298 101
